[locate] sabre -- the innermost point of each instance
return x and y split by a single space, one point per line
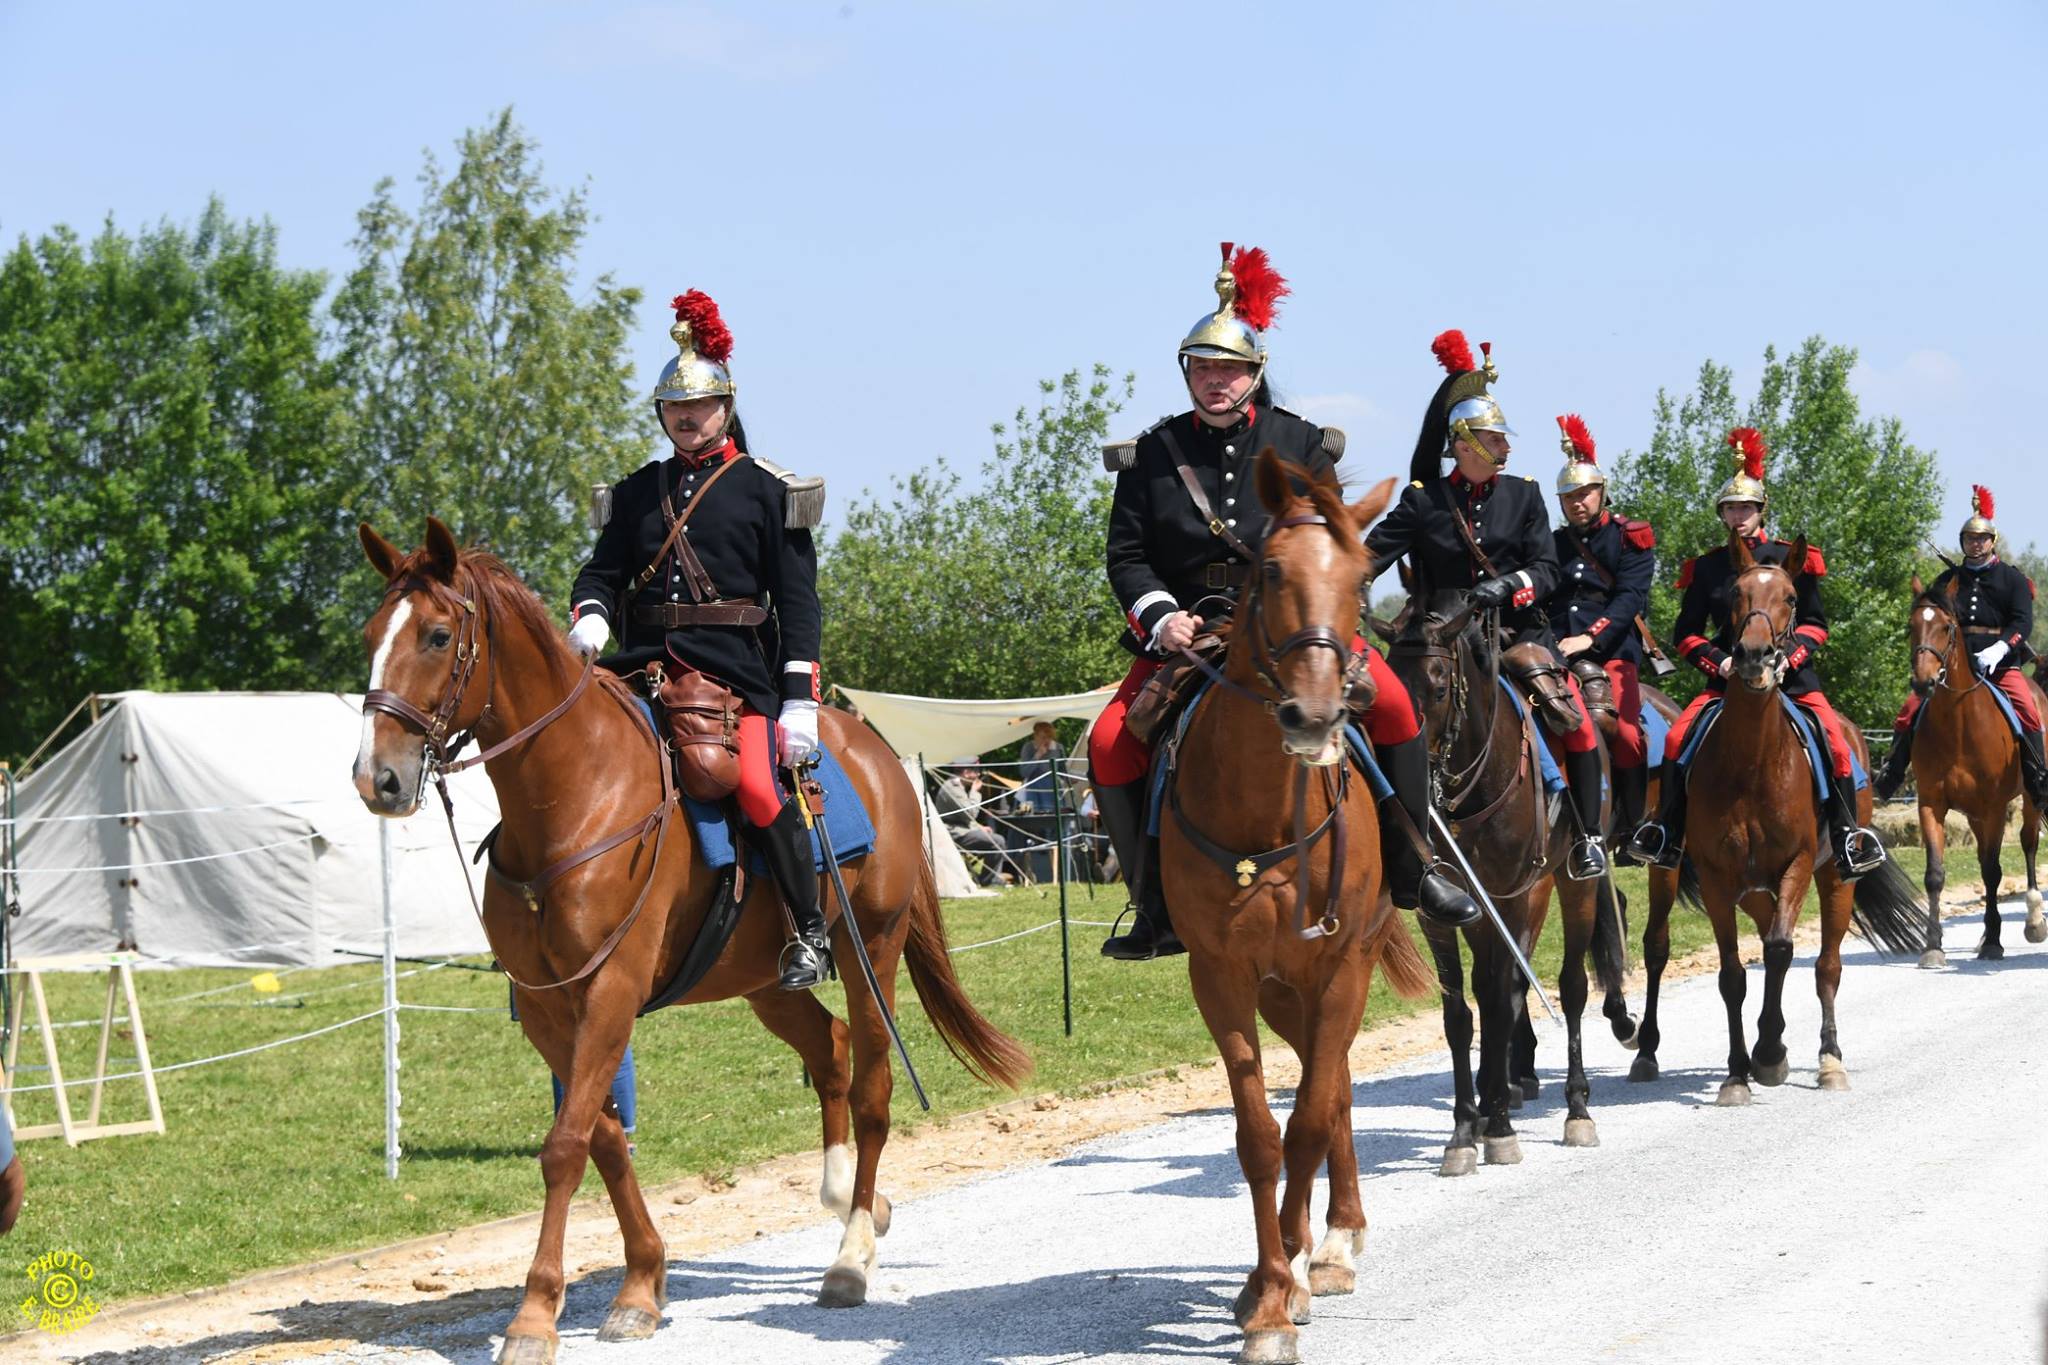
1486 904
815 820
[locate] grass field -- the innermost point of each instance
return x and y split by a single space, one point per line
277 1157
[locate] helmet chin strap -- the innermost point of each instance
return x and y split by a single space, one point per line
1461 430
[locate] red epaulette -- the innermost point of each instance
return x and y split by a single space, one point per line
1685 574
1639 534
1815 565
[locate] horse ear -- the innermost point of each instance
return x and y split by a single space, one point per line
1367 509
1271 481
1918 586
442 552
384 557
1951 593
1795 558
1738 552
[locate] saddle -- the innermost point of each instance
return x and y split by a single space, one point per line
1534 667
1167 692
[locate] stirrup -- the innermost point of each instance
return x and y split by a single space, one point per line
1654 845
1587 861
1144 941
805 965
1858 850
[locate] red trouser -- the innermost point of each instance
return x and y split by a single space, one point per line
1629 749
760 793
1814 701
1585 739
2012 682
1116 757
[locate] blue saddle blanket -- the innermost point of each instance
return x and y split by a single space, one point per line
846 819
1656 733
1553 777
1817 759
2012 717
1354 739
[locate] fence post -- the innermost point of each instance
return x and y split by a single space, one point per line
390 1007
1059 864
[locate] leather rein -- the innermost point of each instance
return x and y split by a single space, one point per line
438 763
1941 656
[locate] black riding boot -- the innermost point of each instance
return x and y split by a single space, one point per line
1412 880
2033 771
1137 853
786 845
1631 794
1899 762
1857 850
1661 842
1588 858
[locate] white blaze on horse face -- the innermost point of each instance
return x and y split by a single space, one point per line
366 753
1927 615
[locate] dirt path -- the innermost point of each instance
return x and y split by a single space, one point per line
328 1306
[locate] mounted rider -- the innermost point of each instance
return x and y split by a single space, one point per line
1184 530
1480 530
1994 608
1607 563
1707 581
730 593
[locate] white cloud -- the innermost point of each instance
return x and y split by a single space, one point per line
1923 376
1336 409
690 38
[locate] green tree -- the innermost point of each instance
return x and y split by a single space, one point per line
171 512
483 387
1855 487
995 592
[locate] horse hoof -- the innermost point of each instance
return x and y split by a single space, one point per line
1644 1067
1332 1279
1934 959
1503 1151
1459 1161
1241 1306
1734 1094
1770 1073
628 1324
1581 1133
1989 951
1833 1075
1531 1087
1274 1346
844 1287
2037 926
528 1351
881 1214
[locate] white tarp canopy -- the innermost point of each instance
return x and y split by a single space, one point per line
223 828
943 729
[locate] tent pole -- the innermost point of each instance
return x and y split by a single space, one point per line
390 1007
1059 864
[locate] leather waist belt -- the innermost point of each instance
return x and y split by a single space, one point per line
1226 575
737 611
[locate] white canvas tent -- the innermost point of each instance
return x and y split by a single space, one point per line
222 828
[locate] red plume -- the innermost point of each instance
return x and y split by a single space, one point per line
708 332
1750 442
1980 498
1453 352
1574 428
1259 287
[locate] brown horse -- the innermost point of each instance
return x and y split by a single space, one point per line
1753 837
1491 791
582 765
1966 758
1241 897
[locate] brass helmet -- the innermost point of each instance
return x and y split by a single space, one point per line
1460 407
1981 511
1248 290
1747 483
1579 470
703 345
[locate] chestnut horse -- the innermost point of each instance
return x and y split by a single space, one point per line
1966 758
1753 840
1491 792
566 782
1245 793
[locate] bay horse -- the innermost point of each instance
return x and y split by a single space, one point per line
1490 789
1245 879
1753 840
573 764
1966 758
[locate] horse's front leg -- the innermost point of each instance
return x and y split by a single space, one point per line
1656 954
1581 904
1461 1156
1934 839
1768 1061
1837 901
2030 844
1989 830
1322 1108
1498 983
1734 986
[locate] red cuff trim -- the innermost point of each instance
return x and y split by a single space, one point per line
1798 657
1524 596
1692 644
1817 634
1599 625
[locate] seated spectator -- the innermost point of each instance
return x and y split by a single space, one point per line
960 800
1040 756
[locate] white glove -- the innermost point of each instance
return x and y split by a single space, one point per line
799 723
588 635
1988 657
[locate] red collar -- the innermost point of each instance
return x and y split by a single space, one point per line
1251 415
1605 517
712 455
1477 490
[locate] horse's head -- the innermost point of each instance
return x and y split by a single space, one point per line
1307 595
1762 604
1935 634
424 642
1426 654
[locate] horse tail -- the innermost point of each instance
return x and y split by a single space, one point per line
1400 961
1610 940
1888 912
993 1056
1689 887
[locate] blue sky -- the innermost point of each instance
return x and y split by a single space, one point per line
912 212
